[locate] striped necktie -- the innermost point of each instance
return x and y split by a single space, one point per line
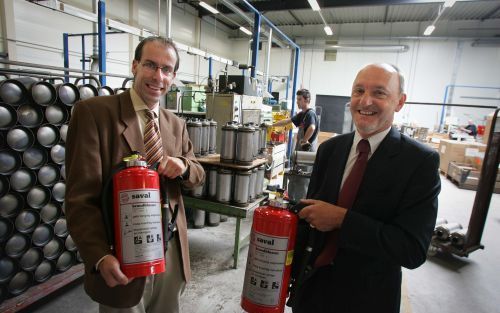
152 139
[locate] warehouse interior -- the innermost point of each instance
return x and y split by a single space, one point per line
54 53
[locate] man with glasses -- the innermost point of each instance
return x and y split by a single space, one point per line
102 131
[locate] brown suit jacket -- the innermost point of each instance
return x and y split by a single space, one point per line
102 131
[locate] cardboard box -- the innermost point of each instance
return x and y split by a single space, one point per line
456 151
323 136
487 128
474 154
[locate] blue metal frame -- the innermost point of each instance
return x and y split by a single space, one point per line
255 44
294 88
101 16
66 56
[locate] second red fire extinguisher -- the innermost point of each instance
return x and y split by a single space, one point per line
270 255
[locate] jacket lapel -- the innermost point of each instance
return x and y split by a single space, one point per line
131 131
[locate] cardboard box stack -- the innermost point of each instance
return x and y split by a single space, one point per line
471 153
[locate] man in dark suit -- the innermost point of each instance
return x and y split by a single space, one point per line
102 131
390 220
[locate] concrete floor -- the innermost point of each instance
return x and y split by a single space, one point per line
444 284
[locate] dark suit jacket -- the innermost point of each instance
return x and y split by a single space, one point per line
102 131
390 224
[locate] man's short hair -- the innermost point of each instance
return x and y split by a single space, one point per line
162 40
401 78
304 93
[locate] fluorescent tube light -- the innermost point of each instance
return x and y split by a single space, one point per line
428 31
246 31
314 5
449 3
328 30
209 7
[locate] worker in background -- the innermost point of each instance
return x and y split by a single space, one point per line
102 131
307 122
371 207
470 129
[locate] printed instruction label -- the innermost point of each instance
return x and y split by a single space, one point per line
140 217
265 269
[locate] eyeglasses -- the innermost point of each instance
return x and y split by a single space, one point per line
153 67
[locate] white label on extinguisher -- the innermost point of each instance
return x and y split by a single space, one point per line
140 216
265 269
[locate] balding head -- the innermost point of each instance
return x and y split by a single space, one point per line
391 69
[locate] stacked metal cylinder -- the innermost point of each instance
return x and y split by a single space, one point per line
242 144
34 240
450 232
203 136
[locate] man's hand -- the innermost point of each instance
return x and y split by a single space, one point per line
322 215
171 167
111 272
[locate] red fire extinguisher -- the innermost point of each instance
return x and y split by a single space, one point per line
269 259
137 219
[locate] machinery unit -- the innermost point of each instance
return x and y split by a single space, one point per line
223 108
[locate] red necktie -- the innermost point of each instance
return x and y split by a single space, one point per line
346 200
152 139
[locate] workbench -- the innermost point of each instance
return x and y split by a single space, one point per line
214 160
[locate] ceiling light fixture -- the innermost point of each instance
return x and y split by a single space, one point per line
328 30
428 31
246 31
208 7
314 5
449 3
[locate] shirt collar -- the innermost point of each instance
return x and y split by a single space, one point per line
374 140
139 104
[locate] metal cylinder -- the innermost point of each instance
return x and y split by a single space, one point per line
20 138
60 228
6 229
105 91
251 187
213 219
8 269
303 158
198 218
29 115
58 153
63 131
31 259
65 261
17 245
197 191
38 196
224 185
4 186
228 142
87 91
20 283
205 136
68 93
43 93
443 231
194 130
79 257
44 271
13 92
58 191
8 116
35 157
11 204
212 141
27 221
212 182
48 175
47 135
458 237
10 162
69 244
63 171
120 90
22 180
50 212
256 139
53 249
56 114
241 187
244 145
263 138
259 181
42 235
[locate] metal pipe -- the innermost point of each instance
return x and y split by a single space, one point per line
66 56
268 58
255 46
294 89
169 19
102 40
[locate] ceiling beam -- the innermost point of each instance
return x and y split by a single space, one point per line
386 13
296 18
490 14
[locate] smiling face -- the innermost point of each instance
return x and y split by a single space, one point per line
151 84
374 99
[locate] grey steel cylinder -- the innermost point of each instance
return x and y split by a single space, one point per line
224 185
20 283
35 157
212 182
50 212
22 180
58 153
212 141
458 237
63 131
37 197
48 175
197 191
241 187
20 138
11 204
69 244
198 218
60 228
58 191
87 91
8 269
8 116
43 93
10 162
47 135
4 186
17 245
205 136
29 115
213 219
105 91
13 92
251 187
244 145
443 231
31 259
79 257
259 181
303 158
68 93
63 171
56 114
119 90
256 139
65 261
228 142
44 271
27 221
53 249
6 229
42 235
194 130
263 138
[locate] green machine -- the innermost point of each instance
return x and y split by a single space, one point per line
188 98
